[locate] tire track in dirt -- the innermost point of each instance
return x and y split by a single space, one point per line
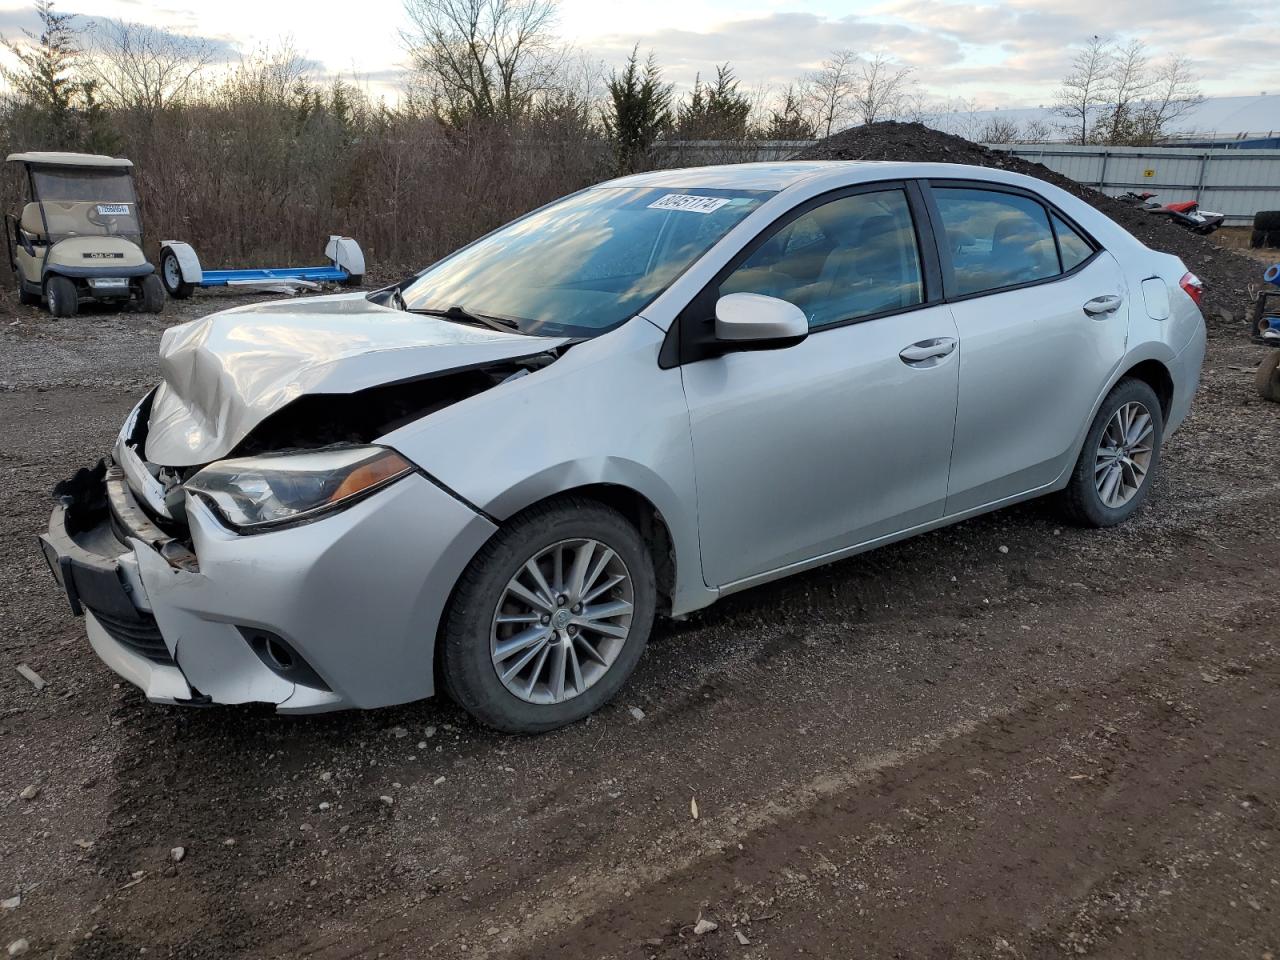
1099 783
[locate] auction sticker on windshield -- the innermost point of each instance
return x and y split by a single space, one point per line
688 203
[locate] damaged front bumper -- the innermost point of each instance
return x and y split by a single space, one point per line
340 612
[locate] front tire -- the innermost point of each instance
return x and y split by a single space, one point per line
1113 476
152 294
550 618
61 294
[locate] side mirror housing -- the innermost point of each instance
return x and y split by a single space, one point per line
755 321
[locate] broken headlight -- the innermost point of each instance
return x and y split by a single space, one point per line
252 493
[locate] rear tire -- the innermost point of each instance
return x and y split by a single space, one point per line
61 294
353 280
1268 377
26 297
1088 500
593 662
152 294
171 275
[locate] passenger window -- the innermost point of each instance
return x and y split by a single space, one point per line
1074 248
996 239
850 258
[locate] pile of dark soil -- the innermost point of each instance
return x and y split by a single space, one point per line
1226 274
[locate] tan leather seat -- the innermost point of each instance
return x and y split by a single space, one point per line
31 221
70 218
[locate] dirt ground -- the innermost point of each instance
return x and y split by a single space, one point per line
942 749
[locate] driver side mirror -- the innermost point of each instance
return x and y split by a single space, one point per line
758 322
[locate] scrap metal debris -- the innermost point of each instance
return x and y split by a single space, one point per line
32 677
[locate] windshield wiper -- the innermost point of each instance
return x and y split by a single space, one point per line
460 314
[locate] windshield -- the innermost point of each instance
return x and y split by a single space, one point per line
80 183
586 264
80 201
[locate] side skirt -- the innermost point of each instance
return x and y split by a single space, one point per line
826 558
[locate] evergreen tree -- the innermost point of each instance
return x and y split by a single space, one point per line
714 111
44 80
788 120
638 112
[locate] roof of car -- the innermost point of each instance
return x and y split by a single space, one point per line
830 173
58 159
739 176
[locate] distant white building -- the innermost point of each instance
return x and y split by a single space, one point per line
1219 121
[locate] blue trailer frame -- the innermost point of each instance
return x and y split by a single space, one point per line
222 278
181 272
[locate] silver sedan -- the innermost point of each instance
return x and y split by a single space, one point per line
492 476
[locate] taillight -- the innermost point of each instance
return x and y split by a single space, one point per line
1193 285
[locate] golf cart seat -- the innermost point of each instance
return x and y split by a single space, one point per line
31 221
74 218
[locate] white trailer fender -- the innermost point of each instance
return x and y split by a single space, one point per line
346 253
187 260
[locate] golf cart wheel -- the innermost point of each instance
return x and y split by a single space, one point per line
26 297
1268 378
171 275
62 297
353 280
152 294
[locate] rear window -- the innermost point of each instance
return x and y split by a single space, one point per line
1074 248
995 239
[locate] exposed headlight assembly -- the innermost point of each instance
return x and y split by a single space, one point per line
272 490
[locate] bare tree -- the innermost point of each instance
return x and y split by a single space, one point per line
1082 90
1036 131
1174 92
140 67
1126 85
482 58
1000 130
881 87
830 91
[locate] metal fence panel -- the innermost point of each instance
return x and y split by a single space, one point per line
1237 183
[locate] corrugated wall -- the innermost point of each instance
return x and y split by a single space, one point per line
1238 183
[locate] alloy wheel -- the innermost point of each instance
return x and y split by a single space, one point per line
562 621
1124 454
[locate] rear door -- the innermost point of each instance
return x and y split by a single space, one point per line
1042 315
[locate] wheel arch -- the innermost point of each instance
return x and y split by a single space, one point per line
1149 363
641 511
1158 377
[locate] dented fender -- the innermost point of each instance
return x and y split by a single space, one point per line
604 413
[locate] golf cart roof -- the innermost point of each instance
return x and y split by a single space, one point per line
56 159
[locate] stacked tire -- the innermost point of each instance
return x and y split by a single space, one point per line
1266 230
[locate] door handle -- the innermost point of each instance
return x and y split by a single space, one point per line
1101 306
927 353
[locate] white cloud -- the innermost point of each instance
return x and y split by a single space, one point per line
1006 52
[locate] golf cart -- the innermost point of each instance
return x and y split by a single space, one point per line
80 235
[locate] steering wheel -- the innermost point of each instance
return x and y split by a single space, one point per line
108 223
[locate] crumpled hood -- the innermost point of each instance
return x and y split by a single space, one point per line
226 373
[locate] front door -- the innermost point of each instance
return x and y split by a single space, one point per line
845 437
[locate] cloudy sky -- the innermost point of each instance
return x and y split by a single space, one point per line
1004 53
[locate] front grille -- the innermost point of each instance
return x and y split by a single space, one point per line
140 635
